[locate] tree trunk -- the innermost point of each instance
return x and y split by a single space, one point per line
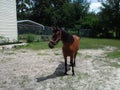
117 34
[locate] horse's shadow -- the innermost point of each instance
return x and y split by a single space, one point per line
58 73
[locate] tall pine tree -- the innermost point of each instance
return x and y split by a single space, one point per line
110 16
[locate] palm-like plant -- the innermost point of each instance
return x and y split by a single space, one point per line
24 7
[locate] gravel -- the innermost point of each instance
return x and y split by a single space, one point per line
44 70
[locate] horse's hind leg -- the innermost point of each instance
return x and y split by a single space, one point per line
65 65
74 63
70 63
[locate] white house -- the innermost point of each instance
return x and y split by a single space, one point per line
8 20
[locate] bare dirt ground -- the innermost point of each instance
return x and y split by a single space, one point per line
43 70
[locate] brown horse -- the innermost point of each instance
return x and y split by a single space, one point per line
70 45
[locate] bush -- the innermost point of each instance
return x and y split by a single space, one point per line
30 38
27 38
4 40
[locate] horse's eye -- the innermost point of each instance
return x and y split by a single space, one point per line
54 31
54 36
57 33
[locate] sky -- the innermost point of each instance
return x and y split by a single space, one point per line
94 6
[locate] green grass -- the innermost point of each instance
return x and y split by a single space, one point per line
85 43
114 54
114 64
90 43
39 45
36 45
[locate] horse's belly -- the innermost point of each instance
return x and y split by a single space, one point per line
67 52
71 49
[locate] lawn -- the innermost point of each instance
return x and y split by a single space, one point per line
85 43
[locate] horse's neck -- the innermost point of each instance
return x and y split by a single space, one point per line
67 38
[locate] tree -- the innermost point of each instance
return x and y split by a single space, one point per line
42 12
62 13
110 16
89 21
81 10
24 8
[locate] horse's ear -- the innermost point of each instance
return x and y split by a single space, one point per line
54 29
59 29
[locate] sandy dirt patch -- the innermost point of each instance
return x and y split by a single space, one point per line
43 70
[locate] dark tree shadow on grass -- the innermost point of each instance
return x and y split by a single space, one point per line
59 72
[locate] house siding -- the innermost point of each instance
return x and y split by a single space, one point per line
8 20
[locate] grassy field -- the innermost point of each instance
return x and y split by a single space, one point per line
85 43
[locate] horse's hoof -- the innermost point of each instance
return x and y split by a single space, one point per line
65 73
73 65
73 74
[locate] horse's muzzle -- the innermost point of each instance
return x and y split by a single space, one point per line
51 44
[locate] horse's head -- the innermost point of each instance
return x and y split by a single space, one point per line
56 37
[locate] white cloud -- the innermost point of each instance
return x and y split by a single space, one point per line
95 7
93 1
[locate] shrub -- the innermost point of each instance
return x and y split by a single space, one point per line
4 40
30 38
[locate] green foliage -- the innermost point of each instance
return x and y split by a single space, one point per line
63 13
73 14
110 17
89 21
4 40
30 38
24 8
33 38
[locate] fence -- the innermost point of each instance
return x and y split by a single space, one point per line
80 32
44 33
25 29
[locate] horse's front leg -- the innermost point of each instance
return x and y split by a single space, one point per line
71 59
65 58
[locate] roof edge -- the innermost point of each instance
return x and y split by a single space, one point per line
21 21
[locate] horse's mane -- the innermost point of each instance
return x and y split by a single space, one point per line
66 37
